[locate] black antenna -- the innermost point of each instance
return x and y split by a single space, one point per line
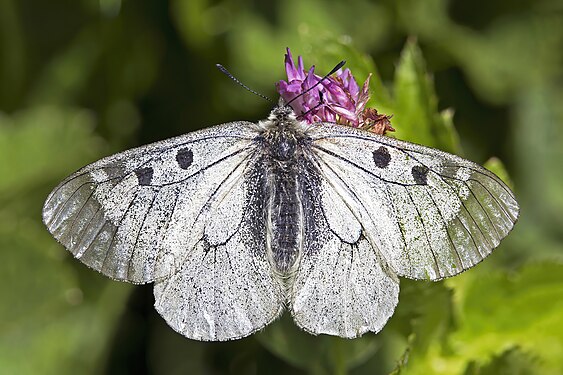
338 66
226 72
320 103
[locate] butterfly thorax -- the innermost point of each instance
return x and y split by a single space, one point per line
282 134
282 145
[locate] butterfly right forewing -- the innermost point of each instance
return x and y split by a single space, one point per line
430 214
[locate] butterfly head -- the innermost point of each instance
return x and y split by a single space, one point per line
281 117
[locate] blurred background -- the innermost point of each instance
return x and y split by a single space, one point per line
81 79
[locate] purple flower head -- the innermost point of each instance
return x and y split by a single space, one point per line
337 99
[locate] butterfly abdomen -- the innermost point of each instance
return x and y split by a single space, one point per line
284 216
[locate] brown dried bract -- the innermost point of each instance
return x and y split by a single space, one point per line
375 122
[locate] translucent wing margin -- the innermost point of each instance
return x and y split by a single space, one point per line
431 214
133 216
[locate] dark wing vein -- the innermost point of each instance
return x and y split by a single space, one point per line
84 171
60 207
165 229
509 217
73 223
351 190
499 237
318 161
482 171
425 230
130 261
205 205
359 166
445 226
116 229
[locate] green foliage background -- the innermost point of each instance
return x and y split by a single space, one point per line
80 79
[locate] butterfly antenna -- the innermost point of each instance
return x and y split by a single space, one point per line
320 103
228 74
338 66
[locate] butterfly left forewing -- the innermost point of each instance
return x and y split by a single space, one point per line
131 215
431 214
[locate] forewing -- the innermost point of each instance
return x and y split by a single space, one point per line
226 288
431 214
341 287
135 215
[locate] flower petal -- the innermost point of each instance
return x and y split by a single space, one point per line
363 96
349 83
300 68
290 70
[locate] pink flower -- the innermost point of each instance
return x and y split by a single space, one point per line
337 99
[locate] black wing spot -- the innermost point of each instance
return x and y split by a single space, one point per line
381 157
144 175
185 158
420 173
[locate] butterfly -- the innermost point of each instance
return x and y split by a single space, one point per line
239 222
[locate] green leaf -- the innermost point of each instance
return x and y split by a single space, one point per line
538 140
496 166
496 312
416 116
513 361
425 317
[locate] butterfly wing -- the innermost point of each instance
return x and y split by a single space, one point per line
134 215
227 289
341 286
186 213
430 214
375 208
